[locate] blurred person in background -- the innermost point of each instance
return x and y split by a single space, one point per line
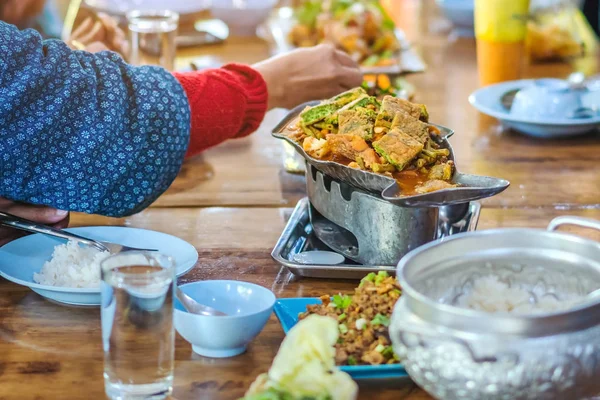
87 132
95 33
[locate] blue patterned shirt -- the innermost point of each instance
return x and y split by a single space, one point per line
86 132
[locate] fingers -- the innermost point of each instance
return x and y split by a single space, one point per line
41 214
345 59
109 28
44 215
84 27
95 34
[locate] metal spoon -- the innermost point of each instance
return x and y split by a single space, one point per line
23 224
194 307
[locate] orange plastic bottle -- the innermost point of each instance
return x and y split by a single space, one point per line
500 29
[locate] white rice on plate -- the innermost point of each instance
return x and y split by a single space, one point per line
489 294
73 266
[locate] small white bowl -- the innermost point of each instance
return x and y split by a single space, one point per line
546 99
245 18
248 307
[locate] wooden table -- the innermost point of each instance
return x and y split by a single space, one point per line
232 203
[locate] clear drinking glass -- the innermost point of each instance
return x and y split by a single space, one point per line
152 37
137 325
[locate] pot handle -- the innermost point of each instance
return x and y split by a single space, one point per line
569 220
423 329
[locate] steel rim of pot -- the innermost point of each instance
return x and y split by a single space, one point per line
580 317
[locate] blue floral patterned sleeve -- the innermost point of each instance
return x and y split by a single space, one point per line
86 132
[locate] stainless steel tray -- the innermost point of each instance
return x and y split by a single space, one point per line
474 187
299 236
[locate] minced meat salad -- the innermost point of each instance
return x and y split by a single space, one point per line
364 318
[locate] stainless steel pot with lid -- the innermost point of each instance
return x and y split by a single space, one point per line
459 353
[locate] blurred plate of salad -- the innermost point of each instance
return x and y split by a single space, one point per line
362 28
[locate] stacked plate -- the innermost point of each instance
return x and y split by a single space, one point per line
545 108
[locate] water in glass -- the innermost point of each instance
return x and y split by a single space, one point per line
152 37
137 325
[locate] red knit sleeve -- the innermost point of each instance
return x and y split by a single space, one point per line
228 102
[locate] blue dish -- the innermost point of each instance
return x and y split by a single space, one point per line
488 101
287 311
248 306
20 258
461 14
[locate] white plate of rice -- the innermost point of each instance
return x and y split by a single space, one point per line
70 274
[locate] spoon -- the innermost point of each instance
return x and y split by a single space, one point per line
192 306
23 224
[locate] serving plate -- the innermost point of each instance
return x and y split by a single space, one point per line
277 28
475 187
488 100
121 7
287 311
23 257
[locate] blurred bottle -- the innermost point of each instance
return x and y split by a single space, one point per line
500 29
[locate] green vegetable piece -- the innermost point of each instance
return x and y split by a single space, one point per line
380 320
380 348
381 276
307 14
348 96
369 278
365 102
371 60
342 302
317 113
387 54
343 328
342 317
352 360
388 352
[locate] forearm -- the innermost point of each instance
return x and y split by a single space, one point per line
225 103
86 132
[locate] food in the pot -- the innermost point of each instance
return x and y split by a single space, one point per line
391 138
363 319
361 28
304 366
490 294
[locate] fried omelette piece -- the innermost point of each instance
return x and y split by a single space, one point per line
353 148
358 122
311 115
433 185
398 148
441 171
411 126
390 106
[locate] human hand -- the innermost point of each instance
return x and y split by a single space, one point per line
45 215
307 74
99 35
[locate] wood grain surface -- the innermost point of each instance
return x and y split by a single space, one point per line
232 203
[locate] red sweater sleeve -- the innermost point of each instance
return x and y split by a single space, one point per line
229 102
